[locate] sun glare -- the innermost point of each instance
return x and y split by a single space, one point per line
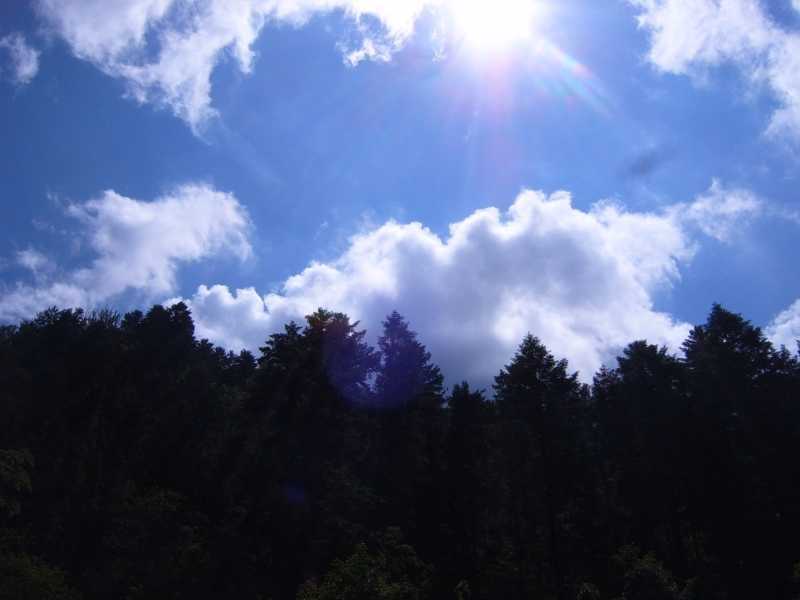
494 25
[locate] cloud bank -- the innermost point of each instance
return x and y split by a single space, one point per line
23 59
138 246
688 36
582 281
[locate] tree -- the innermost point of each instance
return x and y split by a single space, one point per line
305 445
15 481
169 467
389 570
472 485
541 409
645 578
743 427
26 578
641 410
409 399
406 377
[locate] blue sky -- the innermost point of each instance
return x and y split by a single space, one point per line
259 158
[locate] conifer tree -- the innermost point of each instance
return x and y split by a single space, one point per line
541 408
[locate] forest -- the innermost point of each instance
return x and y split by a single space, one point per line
138 462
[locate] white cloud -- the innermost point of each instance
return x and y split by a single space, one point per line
690 35
236 320
720 212
33 260
581 281
24 59
138 246
785 328
166 50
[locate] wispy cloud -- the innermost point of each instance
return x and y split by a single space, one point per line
721 212
166 50
23 58
688 36
137 245
34 261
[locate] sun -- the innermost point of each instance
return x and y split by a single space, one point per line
494 25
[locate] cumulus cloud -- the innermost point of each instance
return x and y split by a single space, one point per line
138 246
785 328
720 212
166 50
23 59
691 35
581 281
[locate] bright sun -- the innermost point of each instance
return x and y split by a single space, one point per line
493 25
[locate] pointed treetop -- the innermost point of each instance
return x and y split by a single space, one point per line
406 374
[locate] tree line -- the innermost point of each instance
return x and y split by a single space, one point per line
137 461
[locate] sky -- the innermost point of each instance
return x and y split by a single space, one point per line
590 172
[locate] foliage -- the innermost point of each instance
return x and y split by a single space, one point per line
24 578
391 571
15 480
166 467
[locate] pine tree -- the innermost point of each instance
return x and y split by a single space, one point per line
409 400
541 408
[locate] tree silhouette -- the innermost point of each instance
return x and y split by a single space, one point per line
540 406
137 461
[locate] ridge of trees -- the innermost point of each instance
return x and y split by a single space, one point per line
137 461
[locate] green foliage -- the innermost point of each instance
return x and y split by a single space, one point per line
15 480
390 570
25 578
645 578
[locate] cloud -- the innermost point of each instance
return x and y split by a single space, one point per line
582 281
138 246
785 328
688 36
236 320
166 50
720 212
33 260
24 60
